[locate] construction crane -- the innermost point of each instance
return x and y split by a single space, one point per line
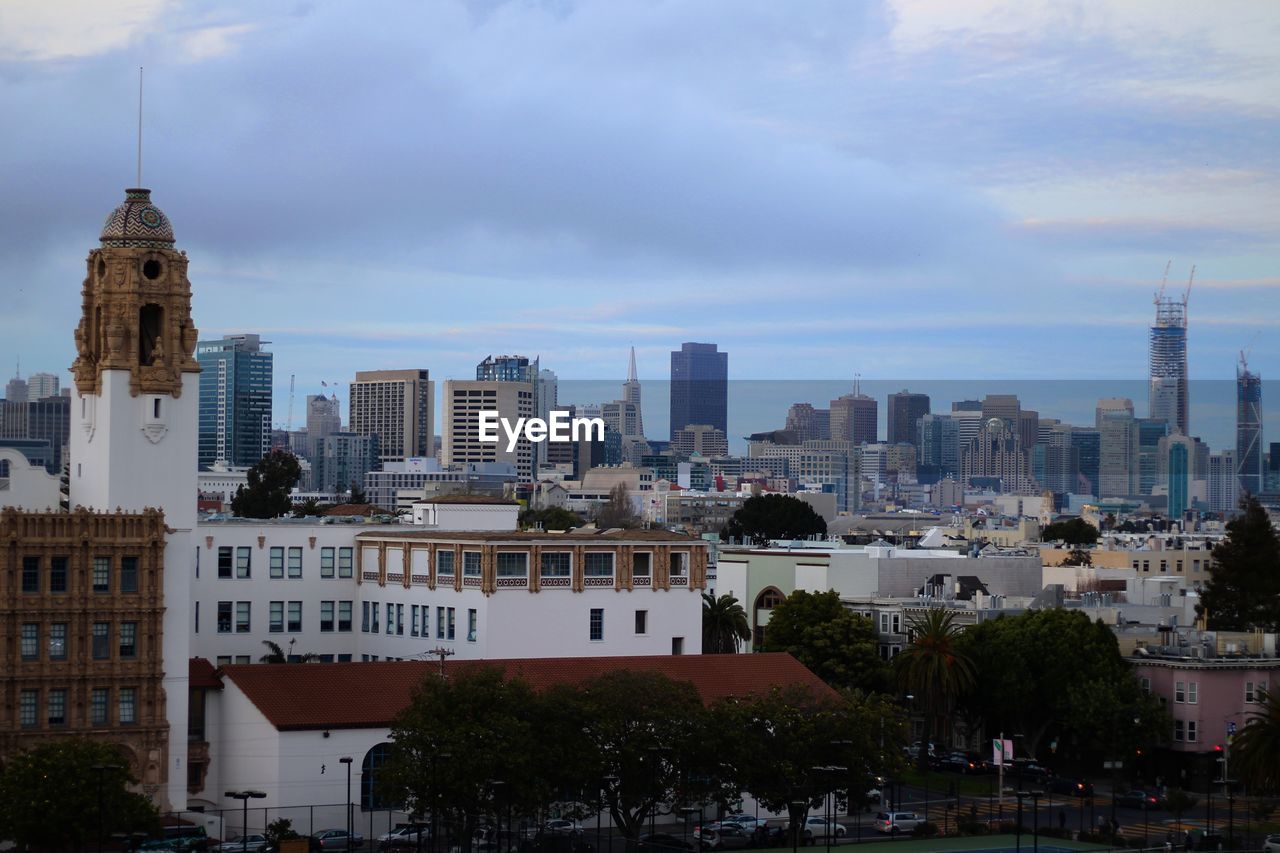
288 426
1163 282
1190 281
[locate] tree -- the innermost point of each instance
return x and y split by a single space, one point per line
1074 531
724 624
934 669
766 517
1243 592
52 798
311 506
269 482
618 511
1255 752
1079 557
276 654
840 646
357 495
550 518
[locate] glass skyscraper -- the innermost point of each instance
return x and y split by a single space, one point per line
235 401
1249 429
1168 400
699 387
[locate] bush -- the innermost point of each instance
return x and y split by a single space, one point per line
971 827
928 829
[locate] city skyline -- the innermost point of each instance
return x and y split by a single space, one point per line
711 182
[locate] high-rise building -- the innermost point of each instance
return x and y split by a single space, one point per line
1168 392
397 407
464 401
938 448
341 461
324 417
1118 448
1224 481
235 400
995 459
1178 454
1150 431
16 391
699 387
49 419
507 368
1088 443
808 423
41 385
855 417
1005 407
1272 477
631 396
701 439
1249 429
905 411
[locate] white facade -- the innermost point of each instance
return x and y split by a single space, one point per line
455 515
24 485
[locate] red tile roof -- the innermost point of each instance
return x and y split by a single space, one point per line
303 696
201 673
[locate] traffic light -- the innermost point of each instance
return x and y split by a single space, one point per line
1217 747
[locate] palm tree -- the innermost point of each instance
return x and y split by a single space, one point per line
1255 752
724 624
275 654
933 670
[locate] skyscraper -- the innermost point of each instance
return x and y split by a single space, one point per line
1249 428
41 385
808 423
396 406
905 411
699 387
235 400
1118 448
938 447
855 417
464 401
631 395
1168 364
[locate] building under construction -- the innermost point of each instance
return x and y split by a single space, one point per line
1168 361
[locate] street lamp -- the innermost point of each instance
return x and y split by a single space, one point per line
346 759
101 770
244 797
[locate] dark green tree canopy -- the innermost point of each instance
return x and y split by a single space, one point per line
49 796
840 646
1243 592
269 484
766 517
1073 531
550 518
724 624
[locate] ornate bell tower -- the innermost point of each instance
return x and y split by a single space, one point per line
135 418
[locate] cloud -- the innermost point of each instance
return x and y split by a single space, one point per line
210 42
35 31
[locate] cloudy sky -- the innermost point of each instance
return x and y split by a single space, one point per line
904 189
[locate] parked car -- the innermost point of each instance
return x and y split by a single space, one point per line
749 822
250 843
181 838
405 835
891 823
336 839
1027 770
1071 785
660 842
1271 844
728 836
821 828
562 826
1139 800
705 827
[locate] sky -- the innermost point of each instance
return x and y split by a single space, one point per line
908 189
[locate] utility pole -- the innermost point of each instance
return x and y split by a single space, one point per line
442 653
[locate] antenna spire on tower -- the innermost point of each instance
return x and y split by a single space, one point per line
139 183
631 368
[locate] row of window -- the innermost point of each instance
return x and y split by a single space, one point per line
1164 566
55 706
1188 692
29 643
237 616
237 562
227 660
419 621
37 576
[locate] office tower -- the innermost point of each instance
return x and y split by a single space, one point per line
1177 453
1249 428
1150 431
702 439
1055 458
1272 483
1088 442
464 400
396 406
1005 407
807 422
905 411
49 419
16 390
855 417
506 368
699 387
968 422
631 396
1224 481
1118 447
1168 397
235 400
827 465
41 385
938 447
341 461
995 459
966 406
324 417
1028 428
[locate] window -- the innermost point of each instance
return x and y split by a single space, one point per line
344 615
677 645
413 623
57 710
101 574
642 621
344 658
295 562
439 623
101 640
58 641
128 705
242 617
128 640
373 610
1191 731
30 640
275 617
98 699
224 660
326 616
449 633
640 563
598 565
195 620
58 574
30 574
224 617
224 561
242 659
471 563
597 623
556 564
28 708
1179 731
1145 684
1179 692
344 562
243 555
472 625
391 618
295 616
326 562
277 563
444 563
679 563
513 564
128 574
364 617
1193 692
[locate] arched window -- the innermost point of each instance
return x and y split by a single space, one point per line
4 469
769 598
371 797
150 322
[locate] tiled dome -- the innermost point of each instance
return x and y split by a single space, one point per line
137 222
